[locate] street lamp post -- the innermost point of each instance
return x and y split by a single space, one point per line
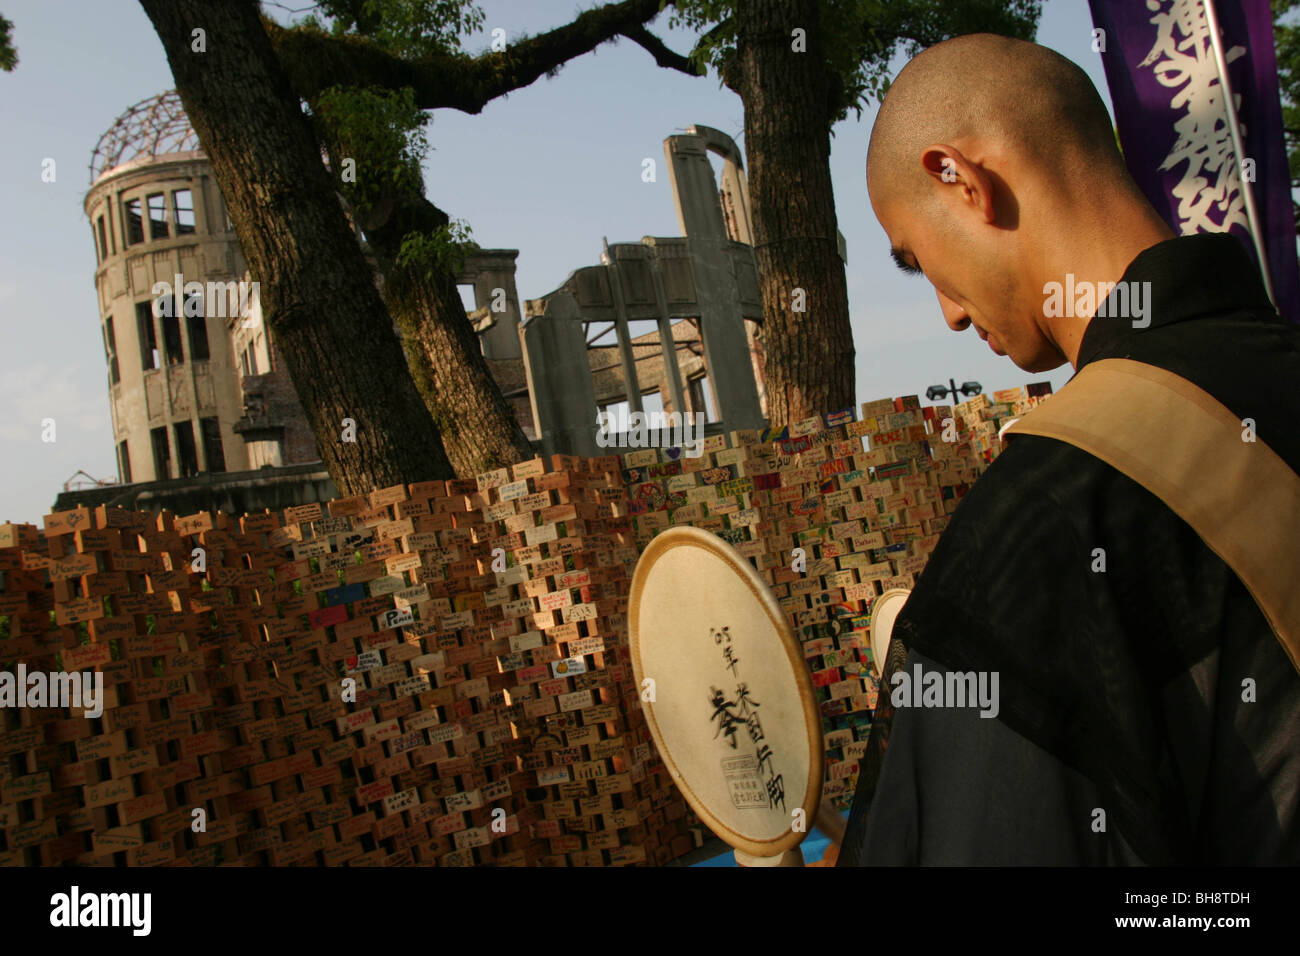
936 392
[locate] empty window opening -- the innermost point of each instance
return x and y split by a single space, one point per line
134 222
652 403
467 297
157 216
198 329
183 201
643 331
149 358
172 339
702 397
110 347
213 451
162 454
618 413
187 457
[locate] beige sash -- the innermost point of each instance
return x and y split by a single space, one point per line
1186 448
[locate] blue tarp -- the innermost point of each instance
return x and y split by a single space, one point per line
813 846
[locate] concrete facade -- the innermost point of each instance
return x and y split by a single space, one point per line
272 425
234 492
173 392
496 318
195 384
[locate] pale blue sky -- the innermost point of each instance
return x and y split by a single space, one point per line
549 170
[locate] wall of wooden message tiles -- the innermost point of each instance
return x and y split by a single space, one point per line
435 674
493 719
864 499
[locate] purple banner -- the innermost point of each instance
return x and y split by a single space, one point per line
1170 110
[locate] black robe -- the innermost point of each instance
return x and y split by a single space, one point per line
1127 731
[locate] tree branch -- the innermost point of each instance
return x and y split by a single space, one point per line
668 59
726 68
316 61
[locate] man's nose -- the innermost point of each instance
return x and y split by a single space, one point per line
953 313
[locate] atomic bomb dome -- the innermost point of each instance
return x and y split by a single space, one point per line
182 375
150 129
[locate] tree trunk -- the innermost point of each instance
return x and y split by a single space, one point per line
479 428
317 290
808 355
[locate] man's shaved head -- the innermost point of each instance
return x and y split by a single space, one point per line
993 168
1020 94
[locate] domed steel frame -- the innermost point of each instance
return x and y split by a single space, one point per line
153 127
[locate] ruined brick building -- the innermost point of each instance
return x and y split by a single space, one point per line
205 416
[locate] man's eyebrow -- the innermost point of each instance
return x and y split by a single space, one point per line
900 260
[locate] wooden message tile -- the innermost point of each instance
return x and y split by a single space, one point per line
302 514
86 656
193 524
274 814
354 827
528 469
449 823
472 837
289 535
398 563
348 507
492 479
76 611
373 792
19 739
72 566
151 854
26 787
602 713
246 800
18 536
35 832
218 831
395 804
66 522
212 787
579 612
117 839
102 583
291 853
172 774
513 490
260 840
341 853
324 581
110 791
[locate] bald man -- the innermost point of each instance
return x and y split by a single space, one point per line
1147 712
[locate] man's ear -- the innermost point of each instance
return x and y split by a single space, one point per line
950 167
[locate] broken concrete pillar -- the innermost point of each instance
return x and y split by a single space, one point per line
559 378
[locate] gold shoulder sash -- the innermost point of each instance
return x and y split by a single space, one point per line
1182 445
